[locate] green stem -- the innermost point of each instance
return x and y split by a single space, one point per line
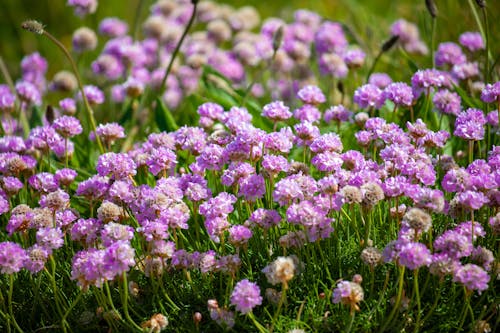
398 298
177 48
433 41
125 303
9 297
417 296
280 305
351 321
464 310
259 326
90 112
137 17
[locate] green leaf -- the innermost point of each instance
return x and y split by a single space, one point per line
468 101
164 118
36 118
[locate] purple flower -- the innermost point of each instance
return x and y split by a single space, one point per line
333 64
161 160
280 142
327 142
472 41
424 80
287 190
305 133
7 101
83 7
86 230
37 256
246 296
119 165
491 93
471 200
307 113
94 95
414 255
93 188
67 126
221 205
50 238
311 95
118 258
252 187
265 218
447 102
65 176
108 133
466 70
330 37
28 93
239 235
454 244
368 96
276 111
399 93
12 257
68 106
354 58
380 80
113 27
469 125
337 113
472 277
113 232
449 54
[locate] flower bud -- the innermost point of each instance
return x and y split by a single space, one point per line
431 7
388 44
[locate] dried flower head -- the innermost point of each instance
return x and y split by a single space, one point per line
33 26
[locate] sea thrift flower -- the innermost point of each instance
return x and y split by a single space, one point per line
281 270
84 39
380 80
472 41
276 111
399 93
37 256
113 27
311 95
94 95
12 257
349 293
472 277
447 102
368 96
449 54
414 255
67 126
371 256
119 165
491 93
156 324
83 7
424 80
246 296
469 125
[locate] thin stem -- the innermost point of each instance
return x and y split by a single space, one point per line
259 326
433 41
398 298
487 47
125 303
6 75
90 112
177 48
9 297
417 296
137 17
351 321
280 305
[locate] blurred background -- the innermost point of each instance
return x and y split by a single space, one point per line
368 20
